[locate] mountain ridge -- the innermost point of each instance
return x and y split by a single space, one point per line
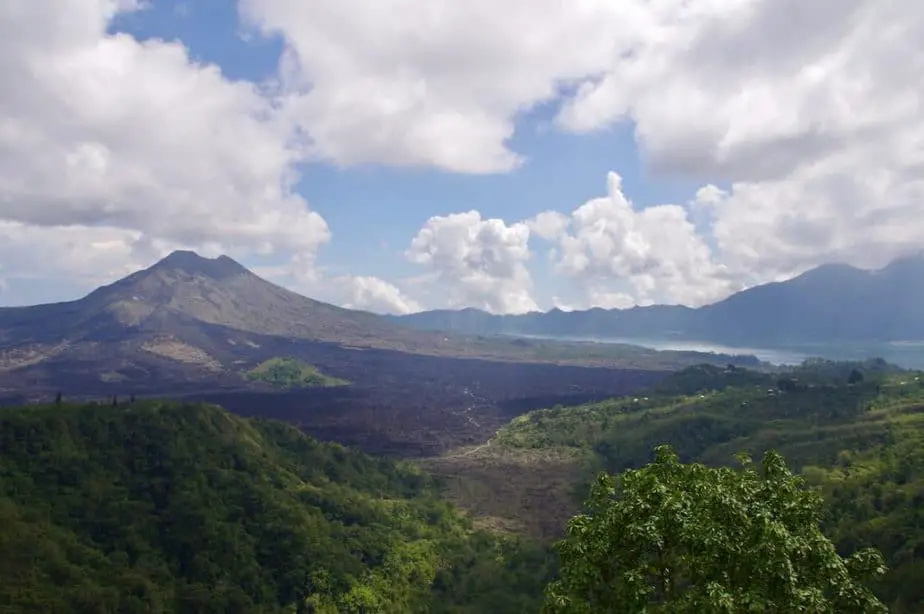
831 303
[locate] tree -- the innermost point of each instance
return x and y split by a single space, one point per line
674 537
855 377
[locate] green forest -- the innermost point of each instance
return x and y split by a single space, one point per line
163 507
854 431
156 506
686 538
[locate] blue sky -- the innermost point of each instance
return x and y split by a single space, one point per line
668 152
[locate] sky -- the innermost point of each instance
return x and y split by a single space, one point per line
402 155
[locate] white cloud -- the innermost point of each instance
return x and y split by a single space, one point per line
481 262
65 259
363 292
752 88
91 255
102 135
656 251
433 82
379 296
809 111
835 210
597 297
548 224
80 258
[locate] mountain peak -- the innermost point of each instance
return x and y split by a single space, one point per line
169 282
190 262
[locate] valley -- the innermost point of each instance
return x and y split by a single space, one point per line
413 406
447 308
201 328
509 451
465 445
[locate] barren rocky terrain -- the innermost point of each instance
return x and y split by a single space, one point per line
413 406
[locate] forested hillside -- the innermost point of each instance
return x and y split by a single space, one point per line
159 507
855 431
167 507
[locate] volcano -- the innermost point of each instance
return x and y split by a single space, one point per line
186 316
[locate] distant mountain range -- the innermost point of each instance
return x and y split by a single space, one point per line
830 304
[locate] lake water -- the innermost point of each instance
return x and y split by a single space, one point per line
908 354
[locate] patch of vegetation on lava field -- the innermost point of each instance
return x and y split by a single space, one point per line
292 373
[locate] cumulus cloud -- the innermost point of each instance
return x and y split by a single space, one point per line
655 250
432 82
78 258
72 257
753 88
808 111
548 224
105 138
379 296
90 254
481 262
808 114
363 292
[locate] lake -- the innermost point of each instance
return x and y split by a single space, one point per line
908 354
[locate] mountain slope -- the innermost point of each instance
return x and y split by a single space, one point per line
832 303
184 319
187 287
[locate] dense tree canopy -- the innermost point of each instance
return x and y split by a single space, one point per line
674 537
861 445
163 507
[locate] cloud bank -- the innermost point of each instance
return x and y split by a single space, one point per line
807 115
